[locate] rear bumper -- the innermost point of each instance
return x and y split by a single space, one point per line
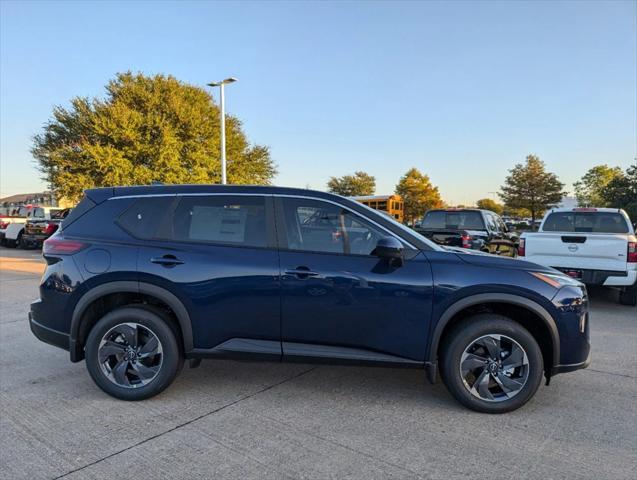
627 281
605 277
33 239
46 334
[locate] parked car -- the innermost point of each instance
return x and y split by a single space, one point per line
37 230
14 230
594 245
13 215
469 228
140 278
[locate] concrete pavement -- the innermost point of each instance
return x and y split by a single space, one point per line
266 420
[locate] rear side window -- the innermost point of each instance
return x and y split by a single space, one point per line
233 220
144 217
453 220
591 222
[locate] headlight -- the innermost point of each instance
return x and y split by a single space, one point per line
556 280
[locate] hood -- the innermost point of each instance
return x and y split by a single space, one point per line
493 261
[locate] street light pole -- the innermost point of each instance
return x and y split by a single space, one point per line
223 124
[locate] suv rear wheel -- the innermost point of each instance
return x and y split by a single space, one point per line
628 296
491 364
132 353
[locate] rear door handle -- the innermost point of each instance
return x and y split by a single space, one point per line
301 272
167 261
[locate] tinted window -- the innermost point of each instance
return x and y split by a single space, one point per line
318 226
594 222
235 220
467 220
144 217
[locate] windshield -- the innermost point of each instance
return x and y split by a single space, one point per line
407 230
460 220
591 222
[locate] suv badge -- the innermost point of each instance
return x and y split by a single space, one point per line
573 248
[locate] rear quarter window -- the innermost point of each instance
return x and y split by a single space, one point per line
585 222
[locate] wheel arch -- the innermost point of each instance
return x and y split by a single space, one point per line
104 290
454 310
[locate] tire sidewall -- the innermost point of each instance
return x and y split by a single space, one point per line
171 360
469 331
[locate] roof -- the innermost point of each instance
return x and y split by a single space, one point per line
101 194
23 197
586 209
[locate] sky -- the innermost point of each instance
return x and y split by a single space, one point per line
460 90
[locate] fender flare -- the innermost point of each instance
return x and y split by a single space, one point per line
128 287
469 301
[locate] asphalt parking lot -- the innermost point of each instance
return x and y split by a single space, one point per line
267 420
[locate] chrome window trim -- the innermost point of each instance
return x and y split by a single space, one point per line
282 195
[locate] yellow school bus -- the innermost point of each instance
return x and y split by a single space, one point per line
391 204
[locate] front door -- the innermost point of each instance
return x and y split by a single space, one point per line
337 298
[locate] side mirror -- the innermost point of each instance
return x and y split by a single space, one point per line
391 249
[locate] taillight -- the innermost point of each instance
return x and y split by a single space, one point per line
522 248
61 246
632 252
466 241
50 228
4 225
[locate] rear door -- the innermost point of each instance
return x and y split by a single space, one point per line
217 253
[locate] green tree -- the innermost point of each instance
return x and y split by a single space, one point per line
516 212
418 194
621 192
147 128
588 190
488 204
530 186
360 183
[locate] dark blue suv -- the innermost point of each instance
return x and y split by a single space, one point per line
140 278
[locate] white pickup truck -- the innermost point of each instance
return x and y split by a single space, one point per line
12 224
595 245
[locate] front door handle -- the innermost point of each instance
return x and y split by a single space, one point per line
167 261
301 272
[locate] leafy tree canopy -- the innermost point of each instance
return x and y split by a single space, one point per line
418 194
147 128
588 190
621 192
530 186
488 204
359 184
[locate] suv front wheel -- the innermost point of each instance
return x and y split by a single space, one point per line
132 353
491 364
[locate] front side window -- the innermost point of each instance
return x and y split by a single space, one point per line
233 220
317 226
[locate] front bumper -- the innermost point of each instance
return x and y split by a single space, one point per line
571 367
46 334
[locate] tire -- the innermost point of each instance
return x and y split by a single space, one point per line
466 347
628 296
18 242
138 372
